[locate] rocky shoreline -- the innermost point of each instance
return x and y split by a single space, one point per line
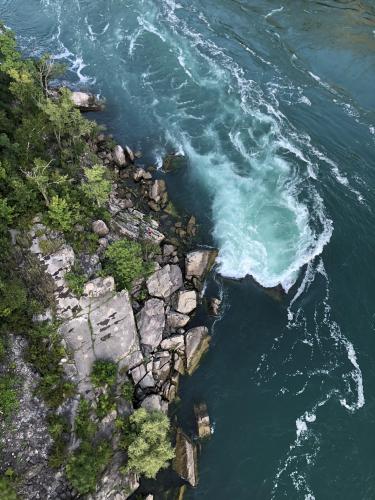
145 331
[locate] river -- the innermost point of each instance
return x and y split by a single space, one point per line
272 105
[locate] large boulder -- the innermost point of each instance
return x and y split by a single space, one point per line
177 320
100 228
119 156
158 191
85 101
165 281
151 322
185 301
197 341
185 461
199 263
174 343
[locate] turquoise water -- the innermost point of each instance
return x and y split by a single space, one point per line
272 104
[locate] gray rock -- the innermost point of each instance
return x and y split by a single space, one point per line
90 264
85 101
119 156
199 263
197 342
151 322
174 343
100 228
157 191
185 301
153 403
177 320
185 461
161 368
141 173
165 281
129 154
132 224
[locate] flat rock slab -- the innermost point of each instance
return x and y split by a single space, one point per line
185 461
197 342
151 323
132 224
165 281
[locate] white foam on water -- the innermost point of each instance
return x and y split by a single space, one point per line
262 227
274 11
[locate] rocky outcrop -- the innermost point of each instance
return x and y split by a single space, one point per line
185 461
85 101
132 224
199 263
197 342
214 306
103 329
176 320
119 156
165 281
151 322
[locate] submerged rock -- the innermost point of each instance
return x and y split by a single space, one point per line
185 461
214 306
197 342
203 420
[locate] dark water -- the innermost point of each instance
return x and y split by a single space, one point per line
272 104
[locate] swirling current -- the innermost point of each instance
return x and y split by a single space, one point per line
271 104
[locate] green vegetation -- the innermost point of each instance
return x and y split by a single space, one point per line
147 442
97 187
76 282
103 373
7 491
128 391
86 464
45 352
8 396
85 427
124 261
58 427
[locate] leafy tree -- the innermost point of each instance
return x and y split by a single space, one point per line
149 448
60 214
97 188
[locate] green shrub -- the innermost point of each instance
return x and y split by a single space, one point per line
60 214
86 464
76 282
58 427
85 427
44 352
147 441
128 391
124 261
7 491
49 246
105 405
8 395
103 373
